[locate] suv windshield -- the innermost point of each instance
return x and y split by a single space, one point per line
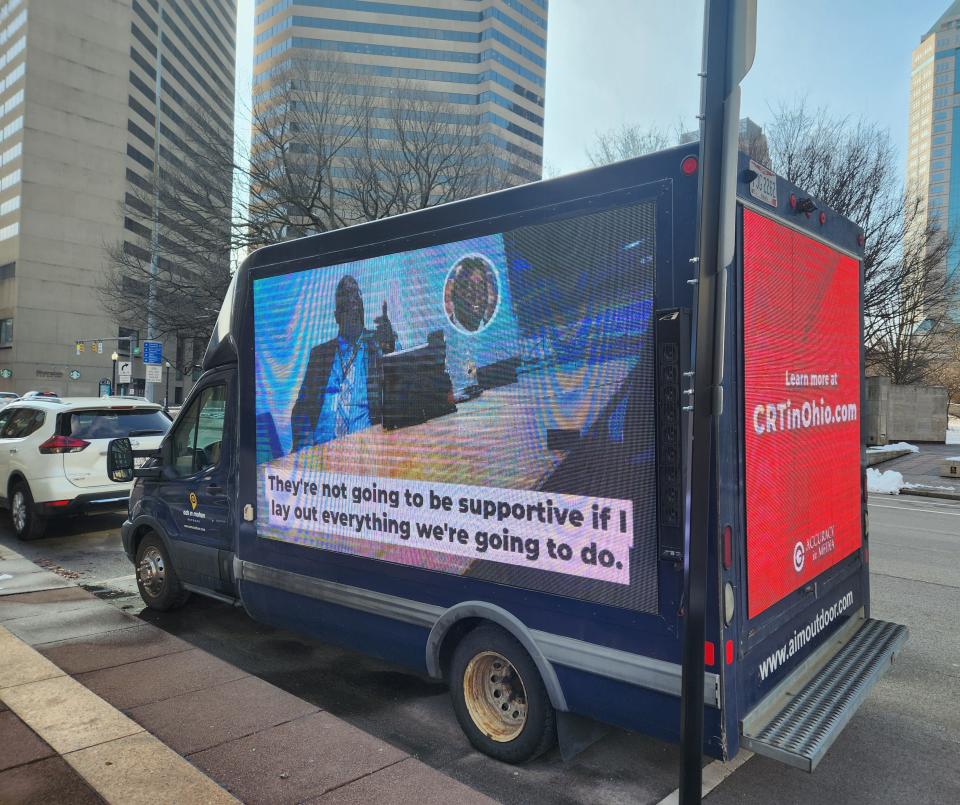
115 424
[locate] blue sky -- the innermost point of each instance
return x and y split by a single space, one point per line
611 62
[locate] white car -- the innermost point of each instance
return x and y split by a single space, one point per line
53 455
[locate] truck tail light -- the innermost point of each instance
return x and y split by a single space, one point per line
709 653
63 444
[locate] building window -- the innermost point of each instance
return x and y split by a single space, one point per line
6 332
10 231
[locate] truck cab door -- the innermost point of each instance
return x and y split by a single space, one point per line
197 490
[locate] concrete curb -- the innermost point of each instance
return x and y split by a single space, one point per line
931 493
73 670
117 758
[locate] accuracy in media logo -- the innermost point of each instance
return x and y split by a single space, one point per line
798 556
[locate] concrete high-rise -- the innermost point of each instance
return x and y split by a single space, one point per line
486 60
93 95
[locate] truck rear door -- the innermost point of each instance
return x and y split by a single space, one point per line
808 650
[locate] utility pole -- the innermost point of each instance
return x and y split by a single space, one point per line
729 44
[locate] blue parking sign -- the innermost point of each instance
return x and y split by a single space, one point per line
153 352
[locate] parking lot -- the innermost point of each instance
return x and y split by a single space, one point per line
903 745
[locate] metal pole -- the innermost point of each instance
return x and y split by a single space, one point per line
113 382
728 47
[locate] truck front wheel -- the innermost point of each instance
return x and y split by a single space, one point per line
159 585
499 698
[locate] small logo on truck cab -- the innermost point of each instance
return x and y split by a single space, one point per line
193 501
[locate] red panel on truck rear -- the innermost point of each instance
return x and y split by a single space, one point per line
801 340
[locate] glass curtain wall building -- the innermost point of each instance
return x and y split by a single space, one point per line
94 96
933 155
482 62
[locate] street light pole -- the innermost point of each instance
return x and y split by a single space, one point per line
113 383
166 389
729 42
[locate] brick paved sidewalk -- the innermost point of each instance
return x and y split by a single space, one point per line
97 705
923 470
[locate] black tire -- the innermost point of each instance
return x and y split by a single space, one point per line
537 728
158 582
27 522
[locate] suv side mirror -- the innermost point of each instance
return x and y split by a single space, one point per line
120 460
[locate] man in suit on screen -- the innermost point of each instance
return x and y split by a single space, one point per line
340 393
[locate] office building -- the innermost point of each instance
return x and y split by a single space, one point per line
933 143
93 94
484 61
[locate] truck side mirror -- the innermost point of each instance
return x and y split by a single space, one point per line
120 460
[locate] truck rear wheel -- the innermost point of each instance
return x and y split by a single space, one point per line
499 698
159 585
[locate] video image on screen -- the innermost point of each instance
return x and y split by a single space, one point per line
482 407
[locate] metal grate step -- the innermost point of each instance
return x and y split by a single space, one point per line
805 719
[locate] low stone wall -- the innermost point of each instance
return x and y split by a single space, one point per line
904 413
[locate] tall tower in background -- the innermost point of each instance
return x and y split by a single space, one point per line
92 95
485 60
933 150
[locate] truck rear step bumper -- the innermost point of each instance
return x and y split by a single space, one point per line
801 718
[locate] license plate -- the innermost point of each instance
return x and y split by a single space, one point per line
764 187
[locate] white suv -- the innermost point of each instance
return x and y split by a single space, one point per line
53 454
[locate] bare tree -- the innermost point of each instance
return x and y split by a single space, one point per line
330 147
420 153
173 265
851 166
914 336
627 142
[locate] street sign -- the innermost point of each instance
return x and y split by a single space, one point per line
99 347
124 371
154 373
152 354
6 374
105 386
75 374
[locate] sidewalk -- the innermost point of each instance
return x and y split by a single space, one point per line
922 471
96 705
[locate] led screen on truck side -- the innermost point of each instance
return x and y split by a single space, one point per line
801 352
483 407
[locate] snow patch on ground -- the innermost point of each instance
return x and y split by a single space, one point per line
931 487
890 448
953 430
884 483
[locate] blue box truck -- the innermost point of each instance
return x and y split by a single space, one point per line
455 439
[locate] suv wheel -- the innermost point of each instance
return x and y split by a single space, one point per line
27 523
159 585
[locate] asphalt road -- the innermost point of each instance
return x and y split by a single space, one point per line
903 745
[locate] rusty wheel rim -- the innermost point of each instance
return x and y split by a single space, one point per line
495 696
